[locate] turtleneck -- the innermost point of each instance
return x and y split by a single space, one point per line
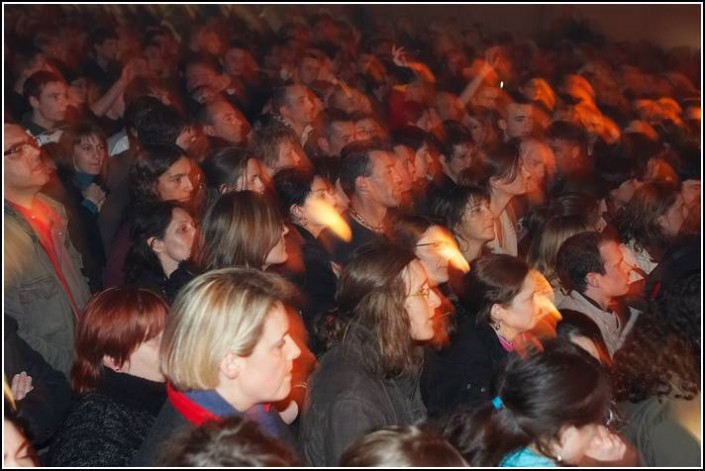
133 391
83 180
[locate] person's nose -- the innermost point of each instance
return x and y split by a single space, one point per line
434 300
294 350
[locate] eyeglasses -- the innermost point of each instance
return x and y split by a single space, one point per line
436 245
16 151
424 292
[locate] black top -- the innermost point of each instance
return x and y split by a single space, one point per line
343 251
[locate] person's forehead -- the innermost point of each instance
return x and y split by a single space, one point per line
381 159
218 108
53 87
518 109
610 251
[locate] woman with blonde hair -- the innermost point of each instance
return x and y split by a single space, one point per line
226 351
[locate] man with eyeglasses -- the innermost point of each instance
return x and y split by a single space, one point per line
45 290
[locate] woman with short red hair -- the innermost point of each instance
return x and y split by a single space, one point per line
116 372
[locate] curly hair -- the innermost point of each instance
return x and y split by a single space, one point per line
655 361
640 220
145 172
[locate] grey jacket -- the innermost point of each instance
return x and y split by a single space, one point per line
347 400
34 295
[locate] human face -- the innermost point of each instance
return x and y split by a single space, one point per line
366 129
228 123
299 108
252 179
478 221
519 185
405 159
461 160
519 120
178 238
341 133
385 182
78 92
566 155
52 103
535 156
421 302
265 375
575 441
309 69
278 253
320 191
175 184
199 75
144 361
477 131
17 449
521 314
672 221
428 251
422 158
615 281
24 168
288 156
88 155
108 50
234 62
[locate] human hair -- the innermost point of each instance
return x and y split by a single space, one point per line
115 323
137 109
161 125
371 294
148 221
144 86
455 134
412 137
655 361
333 116
401 446
539 394
268 139
218 312
576 324
292 186
578 256
240 229
280 97
489 119
677 303
73 136
570 132
36 82
409 229
232 442
494 279
355 161
101 34
225 166
145 172
502 162
639 221
543 251
452 206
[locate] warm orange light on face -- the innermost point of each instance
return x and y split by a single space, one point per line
325 214
546 312
450 251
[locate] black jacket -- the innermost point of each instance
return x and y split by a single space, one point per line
347 399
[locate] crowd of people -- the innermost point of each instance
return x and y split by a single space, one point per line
232 239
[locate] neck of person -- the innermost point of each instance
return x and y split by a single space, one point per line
234 397
102 62
310 227
40 120
470 248
22 198
372 212
298 128
507 333
499 201
447 172
169 265
601 299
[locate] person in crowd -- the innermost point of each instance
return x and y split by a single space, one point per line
484 127
116 374
46 94
457 156
292 107
163 236
583 332
224 124
516 119
657 379
370 378
593 273
226 351
499 309
163 173
45 290
398 446
278 148
233 442
338 130
17 450
301 194
78 185
231 169
549 409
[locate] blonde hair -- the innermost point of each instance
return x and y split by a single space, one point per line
543 252
219 311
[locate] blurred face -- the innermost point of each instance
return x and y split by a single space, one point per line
461 159
288 155
566 155
518 186
422 159
155 59
265 375
341 133
519 120
234 62
320 191
405 159
24 168
478 222
309 69
52 102
421 302
198 75
144 361
366 129
17 449
178 237
428 251
175 184
228 123
625 192
521 314
535 156
252 179
78 92
108 50
385 182
278 253
615 281
477 131
88 155
673 220
299 107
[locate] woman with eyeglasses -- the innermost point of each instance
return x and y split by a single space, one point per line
80 158
499 309
371 377
551 407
